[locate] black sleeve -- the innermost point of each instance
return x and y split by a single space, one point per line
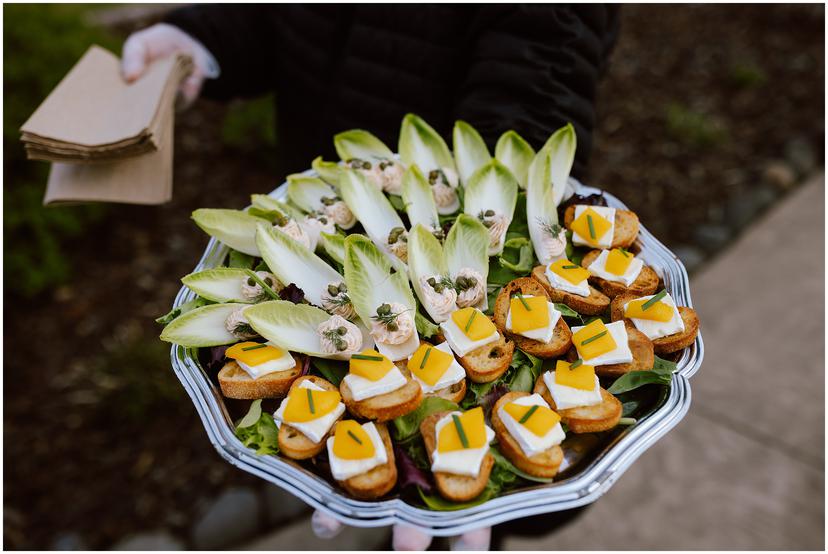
241 39
533 69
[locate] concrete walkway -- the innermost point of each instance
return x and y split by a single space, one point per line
745 469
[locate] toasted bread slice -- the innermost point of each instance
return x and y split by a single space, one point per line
386 406
457 488
625 231
293 443
585 419
561 339
453 393
641 348
596 303
236 383
488 362
378 481
542 464
670 343
646 282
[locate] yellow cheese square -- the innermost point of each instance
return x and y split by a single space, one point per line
595 346
529 313
564 269
474 324
600 226
581 377
351 441
429 363
539 422
370 364
656 312
618 261
308 404
256 353
474 430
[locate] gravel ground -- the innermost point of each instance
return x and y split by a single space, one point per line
707 115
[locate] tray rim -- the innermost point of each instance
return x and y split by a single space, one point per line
578 490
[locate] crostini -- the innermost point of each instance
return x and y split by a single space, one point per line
568 283
574 392
362 459
258 370
306 417
613 348
437 371
619 271
377 389
524 313
529 433
600 226
669 327
484 353
458 450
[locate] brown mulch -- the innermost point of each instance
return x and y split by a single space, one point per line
101 440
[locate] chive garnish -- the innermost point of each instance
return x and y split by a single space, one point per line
528 414
522 301
572 266
576 364
469 322
594 338
460 432
270 292
246 348
353 436
591 226
625 252
310 401
366 357
425 357
654 300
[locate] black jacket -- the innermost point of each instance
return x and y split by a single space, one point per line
530 68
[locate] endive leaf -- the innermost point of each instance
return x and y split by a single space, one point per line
291 262
269 204
291 326
308 192
492 187
202 326
420 144
221 284
516 154
541 210
425 259
328 171
467 246
234 228
418 199
334 245
561 146
360 144
370 280
470 150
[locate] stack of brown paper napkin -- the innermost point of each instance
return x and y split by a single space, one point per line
109 141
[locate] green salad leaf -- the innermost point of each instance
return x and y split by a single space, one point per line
240 260
505 465
196 302
328 171
202 326
334 245
221 284
308 192
634 379
408 426
425 328
420 144
234 228
360 144
440 504
258 430
470 150
516 154
332 370
521 249
566 311
418 199
291 326
492 187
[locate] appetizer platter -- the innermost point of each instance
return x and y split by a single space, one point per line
442 338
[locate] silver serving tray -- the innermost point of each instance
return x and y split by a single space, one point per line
581 488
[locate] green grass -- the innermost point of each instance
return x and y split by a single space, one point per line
693 128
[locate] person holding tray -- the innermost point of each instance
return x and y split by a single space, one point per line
334 67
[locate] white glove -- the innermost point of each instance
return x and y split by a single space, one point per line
161 40
405 537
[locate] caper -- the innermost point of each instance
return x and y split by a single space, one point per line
384 309
323 220
280 220
268 281
462 283
341 331
433 175
488 223
333 290
341 346
439 289
432 281
489 213
328 201
471 282
251 282
392 326
342 287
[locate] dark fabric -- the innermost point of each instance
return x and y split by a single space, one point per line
530 68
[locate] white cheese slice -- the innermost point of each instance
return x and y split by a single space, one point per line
558 282
315 429
396 352
459 462
362 388
657 329
570 397
621 354
544 334
454 374
606 239
599 269
459 342
529 442
342 469
282 363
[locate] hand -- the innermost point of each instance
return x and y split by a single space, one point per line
143 47
405 537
